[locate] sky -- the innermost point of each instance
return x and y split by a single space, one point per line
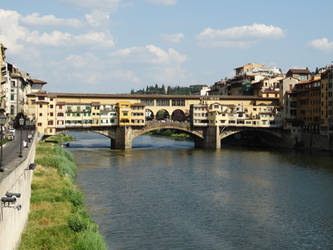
113 46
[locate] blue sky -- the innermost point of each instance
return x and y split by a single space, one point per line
113 46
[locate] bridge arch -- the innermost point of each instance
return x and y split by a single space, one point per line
179 127
178 115
107 132
274 135
162 114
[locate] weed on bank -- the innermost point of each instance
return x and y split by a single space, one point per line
57 218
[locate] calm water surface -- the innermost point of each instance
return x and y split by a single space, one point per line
164 194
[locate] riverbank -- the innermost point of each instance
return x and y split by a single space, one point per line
58 218
174 134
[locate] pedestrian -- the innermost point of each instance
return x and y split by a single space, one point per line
25 144
29 137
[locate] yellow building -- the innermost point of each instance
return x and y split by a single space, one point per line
124 113
138 117
58 111
247 68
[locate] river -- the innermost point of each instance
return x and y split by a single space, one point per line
164 194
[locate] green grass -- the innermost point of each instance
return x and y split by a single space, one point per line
60 138
171 133
57 218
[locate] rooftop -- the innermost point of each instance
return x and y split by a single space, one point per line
299 71
36 81
137 96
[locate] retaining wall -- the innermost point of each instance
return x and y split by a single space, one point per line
17 180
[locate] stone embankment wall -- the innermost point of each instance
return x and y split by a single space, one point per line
317 141
16 180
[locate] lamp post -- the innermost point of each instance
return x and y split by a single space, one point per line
3 120
27 126
21 122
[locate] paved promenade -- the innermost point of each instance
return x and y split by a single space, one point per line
11 152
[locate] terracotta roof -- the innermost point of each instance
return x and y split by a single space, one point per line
15 75
36 81
137 105
306 82
136 96
299 71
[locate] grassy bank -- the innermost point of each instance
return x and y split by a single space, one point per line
171 133
58 219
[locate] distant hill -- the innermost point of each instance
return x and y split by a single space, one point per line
163 90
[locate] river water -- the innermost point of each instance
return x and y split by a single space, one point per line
164 194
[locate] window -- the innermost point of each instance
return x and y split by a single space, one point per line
33 101
51 106
50 123
12 97
162 102
147 102
51 114
39 124
40 105
40 114
12 109
179 102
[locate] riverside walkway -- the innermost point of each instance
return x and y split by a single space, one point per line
11 152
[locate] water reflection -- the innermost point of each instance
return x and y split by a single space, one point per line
175 197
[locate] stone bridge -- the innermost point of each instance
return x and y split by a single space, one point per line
204 137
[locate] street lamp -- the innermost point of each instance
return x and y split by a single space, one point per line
21 122
27 124
3 120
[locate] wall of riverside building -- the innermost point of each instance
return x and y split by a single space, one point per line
18 180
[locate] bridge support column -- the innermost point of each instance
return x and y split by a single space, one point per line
211 138
123 138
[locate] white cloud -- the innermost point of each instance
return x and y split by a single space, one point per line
98 18
151 63
49 20
173 38
17 37
11 33
106 5
322 44
240 36
149 54
162 2
63 39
